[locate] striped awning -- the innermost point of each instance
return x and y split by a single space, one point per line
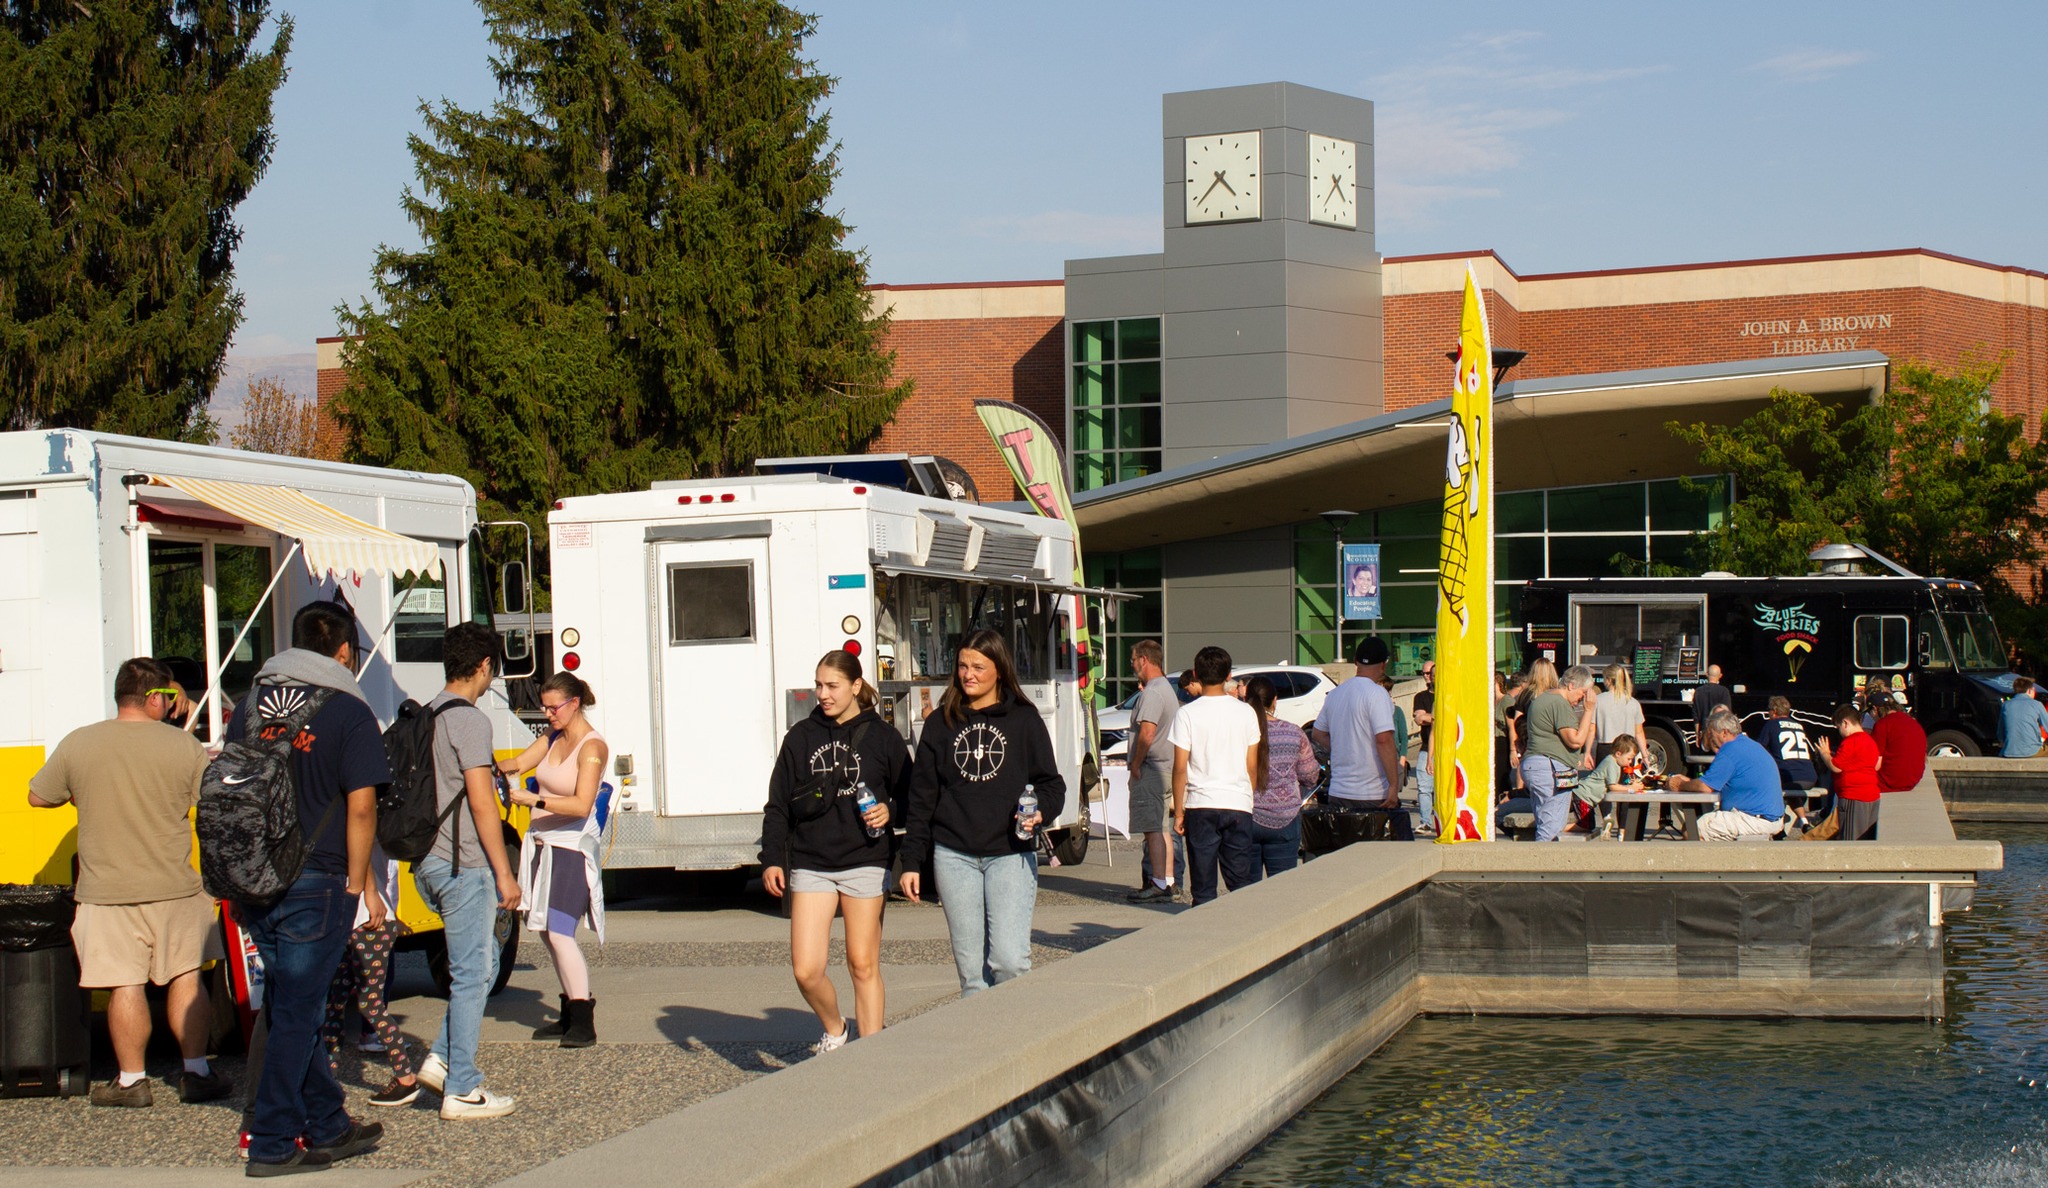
330 541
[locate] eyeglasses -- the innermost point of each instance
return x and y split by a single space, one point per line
551 710
170 693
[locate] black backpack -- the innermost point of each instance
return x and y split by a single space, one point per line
409 812
251 845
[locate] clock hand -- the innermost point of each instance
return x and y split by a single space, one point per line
1226 185
1336 187
1210 190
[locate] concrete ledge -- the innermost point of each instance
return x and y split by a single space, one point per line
1990 789
1162 1056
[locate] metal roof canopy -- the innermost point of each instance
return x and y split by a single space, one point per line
1557 432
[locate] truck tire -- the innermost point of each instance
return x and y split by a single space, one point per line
1665 751
1072 849
1953 744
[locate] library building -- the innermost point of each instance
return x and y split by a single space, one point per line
1268 366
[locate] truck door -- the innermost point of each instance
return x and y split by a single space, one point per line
199 596
714 690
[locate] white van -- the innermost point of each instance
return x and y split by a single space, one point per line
697 610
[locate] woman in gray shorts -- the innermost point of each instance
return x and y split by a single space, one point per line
822 855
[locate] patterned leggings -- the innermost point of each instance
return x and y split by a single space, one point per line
361 978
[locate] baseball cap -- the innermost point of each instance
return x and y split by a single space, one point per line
1371 650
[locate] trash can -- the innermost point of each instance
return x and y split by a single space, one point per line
45 1044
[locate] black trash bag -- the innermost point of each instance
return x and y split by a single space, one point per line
35 916
1324 830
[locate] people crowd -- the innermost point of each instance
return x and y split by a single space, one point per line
1219 783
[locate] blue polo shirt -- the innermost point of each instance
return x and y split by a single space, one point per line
1747 778
2020 722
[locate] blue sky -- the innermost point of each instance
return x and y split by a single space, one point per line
992 142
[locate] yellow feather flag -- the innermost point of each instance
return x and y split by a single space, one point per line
1461 743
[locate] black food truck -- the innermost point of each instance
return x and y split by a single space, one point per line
1817 640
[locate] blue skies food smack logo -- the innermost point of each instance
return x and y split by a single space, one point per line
1797 632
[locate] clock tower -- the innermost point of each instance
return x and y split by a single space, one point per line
1268 290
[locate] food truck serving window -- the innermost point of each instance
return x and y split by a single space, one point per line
1610 630
710 603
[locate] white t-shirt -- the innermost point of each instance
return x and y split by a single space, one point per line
1354 715
1216 732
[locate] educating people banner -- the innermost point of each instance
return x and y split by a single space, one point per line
1461 746
1032 453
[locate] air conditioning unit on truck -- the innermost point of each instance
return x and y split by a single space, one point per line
113 547
697 611
1816 640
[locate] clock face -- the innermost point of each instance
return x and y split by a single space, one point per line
1332 181
1223 177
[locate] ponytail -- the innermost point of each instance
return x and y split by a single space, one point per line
568 684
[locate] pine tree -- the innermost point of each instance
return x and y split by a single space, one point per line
627 271
129 132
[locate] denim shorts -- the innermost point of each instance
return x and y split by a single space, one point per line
861 882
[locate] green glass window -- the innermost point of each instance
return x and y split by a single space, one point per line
1592 556
1115 396
1617 508
1519 512
1688 505
1126 622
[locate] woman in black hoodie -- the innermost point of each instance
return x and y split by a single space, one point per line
980 749
827 856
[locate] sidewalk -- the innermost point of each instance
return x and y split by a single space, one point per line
694 997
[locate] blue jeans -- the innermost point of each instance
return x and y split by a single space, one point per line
302 938
1219 838
1425 791
988 903
1275 850
1551 804
467 903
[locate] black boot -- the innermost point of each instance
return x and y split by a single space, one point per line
553 1031
581 1031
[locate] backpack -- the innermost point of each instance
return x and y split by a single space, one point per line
409 812
251 844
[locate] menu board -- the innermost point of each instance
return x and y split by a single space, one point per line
1649 664
1688 664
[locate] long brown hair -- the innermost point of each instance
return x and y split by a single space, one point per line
991 644
1261 695
847 664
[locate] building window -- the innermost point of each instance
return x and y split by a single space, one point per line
1126 622
1608 530
1114 401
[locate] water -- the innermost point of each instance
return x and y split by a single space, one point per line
1484 1101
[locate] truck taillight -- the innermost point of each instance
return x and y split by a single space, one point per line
571 661
852 647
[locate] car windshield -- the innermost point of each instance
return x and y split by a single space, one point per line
1130 702
1975 636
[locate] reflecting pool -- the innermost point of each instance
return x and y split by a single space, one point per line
1485 1101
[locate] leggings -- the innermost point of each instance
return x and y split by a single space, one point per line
361 978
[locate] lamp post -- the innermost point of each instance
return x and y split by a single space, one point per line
1336 520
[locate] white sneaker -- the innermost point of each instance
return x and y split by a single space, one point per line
832 1043
481 1104
434 1073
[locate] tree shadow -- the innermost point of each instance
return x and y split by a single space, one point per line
684 1026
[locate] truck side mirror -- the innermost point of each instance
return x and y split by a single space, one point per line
513 587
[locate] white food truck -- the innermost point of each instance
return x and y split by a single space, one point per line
113 547
697 610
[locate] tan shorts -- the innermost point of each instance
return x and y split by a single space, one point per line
127 944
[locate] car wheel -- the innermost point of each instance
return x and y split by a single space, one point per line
1952 744
1666 755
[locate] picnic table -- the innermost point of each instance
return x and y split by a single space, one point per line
1634 810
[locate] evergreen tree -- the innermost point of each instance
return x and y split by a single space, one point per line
129 132
627 271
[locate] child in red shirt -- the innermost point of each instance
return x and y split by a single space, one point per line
1855 761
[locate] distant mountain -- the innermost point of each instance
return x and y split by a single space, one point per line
298 374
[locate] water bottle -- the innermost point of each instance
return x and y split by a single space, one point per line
863 801
1027 807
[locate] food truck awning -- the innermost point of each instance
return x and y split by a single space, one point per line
330 541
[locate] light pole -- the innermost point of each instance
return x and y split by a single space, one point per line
1336 520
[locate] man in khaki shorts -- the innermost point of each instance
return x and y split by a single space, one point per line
142 917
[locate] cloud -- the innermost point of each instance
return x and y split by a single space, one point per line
1444 126
1121 233
1803 66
